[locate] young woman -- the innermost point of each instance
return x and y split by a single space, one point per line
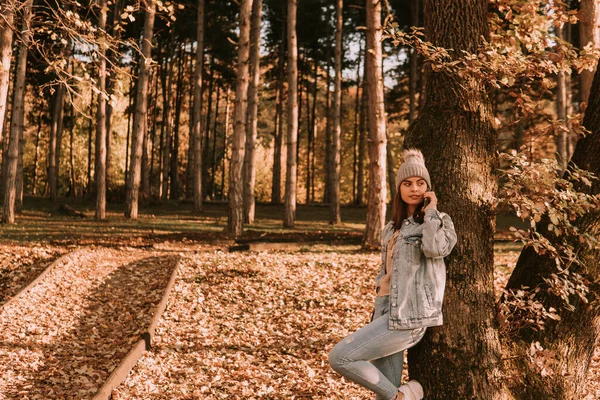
410 288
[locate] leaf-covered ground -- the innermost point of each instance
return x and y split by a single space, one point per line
63 338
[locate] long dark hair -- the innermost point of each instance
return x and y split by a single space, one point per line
400 211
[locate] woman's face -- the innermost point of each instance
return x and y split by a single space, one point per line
412 189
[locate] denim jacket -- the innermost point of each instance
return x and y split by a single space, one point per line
418 276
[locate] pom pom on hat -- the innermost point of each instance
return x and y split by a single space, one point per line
413 165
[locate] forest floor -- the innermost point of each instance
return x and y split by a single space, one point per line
238 325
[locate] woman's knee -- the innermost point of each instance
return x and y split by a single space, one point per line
337 358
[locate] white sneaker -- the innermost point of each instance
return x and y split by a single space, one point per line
412 390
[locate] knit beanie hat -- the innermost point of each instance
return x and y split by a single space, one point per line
413 165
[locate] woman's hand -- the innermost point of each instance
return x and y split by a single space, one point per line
432 201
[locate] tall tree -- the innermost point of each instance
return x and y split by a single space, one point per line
235 220
289 207
6 36
140 116
197 112
455 131
589 32
55 140
376 123
100 168
17 118
252 124
334 215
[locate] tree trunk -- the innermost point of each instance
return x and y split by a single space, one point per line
88 188
55 141
328 154
336 140
72 174
574 337
414 62
310 133
251 129
376 121
100 167
561 109
225 136
356 124
168 121
178 103
139 119
6 35
37 154
17 119
213 163
278 129
391 171
362 139
289 219
589 32
206 126
461 359
197 112
235 220
150 135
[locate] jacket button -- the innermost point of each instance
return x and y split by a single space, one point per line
395 286
393 304
395 325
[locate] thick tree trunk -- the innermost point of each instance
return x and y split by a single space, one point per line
252 123
235 220
289 207
460 360
336 140
377 139
6 36
100 168
575 336
17 119
140 116
589 32
197 112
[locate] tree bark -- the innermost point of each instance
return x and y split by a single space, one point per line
362 138
17 119
179 100
213 163
461 359
414 62
100 168
376 121
235 220
37 153
55 141
6 36
197 112
252 126
289 207
589 32
141 109
278 130
356 125
168 119
328 117
336 140
574 337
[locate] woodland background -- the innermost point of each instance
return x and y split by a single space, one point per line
267 114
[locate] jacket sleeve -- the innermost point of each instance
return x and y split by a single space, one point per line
439 236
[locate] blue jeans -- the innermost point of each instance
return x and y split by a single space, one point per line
373 355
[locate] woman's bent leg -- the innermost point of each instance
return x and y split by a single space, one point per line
391 368
351 357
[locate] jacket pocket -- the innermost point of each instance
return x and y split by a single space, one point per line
412 249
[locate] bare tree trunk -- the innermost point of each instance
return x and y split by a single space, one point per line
561 109
225 136
356 125
72 175
168 118
150 135
139 119
461 359
252 122
175 151
100 168
55 141
88 187
278 130
213 163
289 219
313 133
362 139
6 36
235 220
414 63
377 138
334 215
17 119
328 154
19 185
197 116
37 154
589 32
